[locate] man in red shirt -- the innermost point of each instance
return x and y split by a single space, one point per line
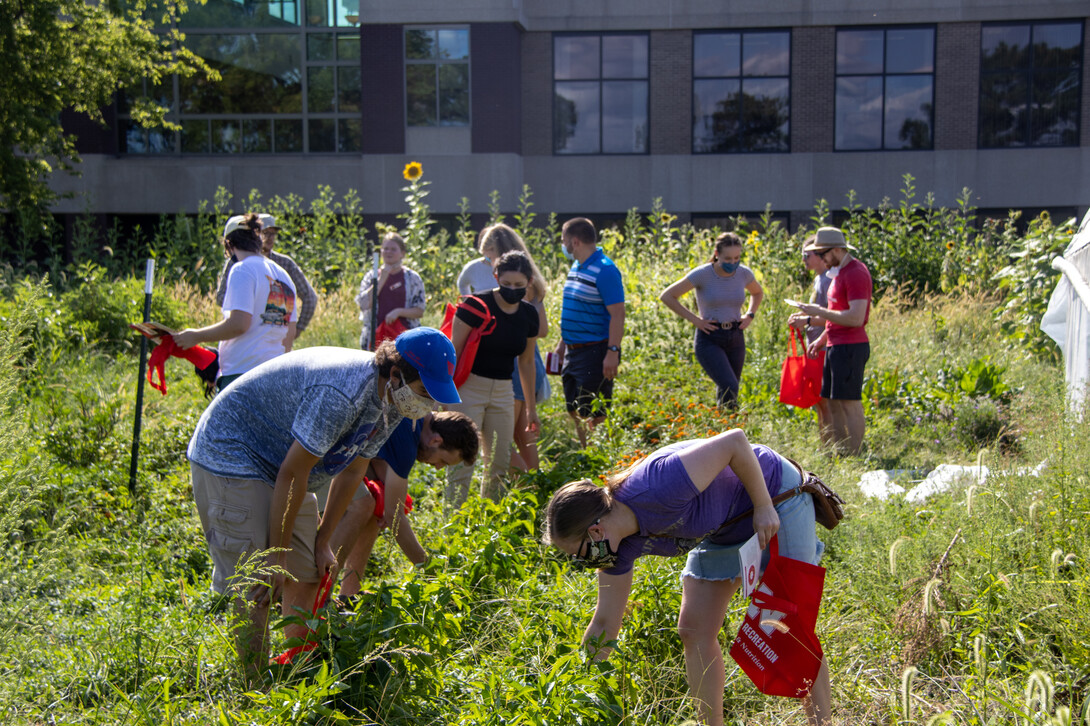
845 337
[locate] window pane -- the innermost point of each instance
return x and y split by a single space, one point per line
454 44
321 132
716 122
257 136
624 56
195 137
261 74
289 135
160 141
908 112
420 44
1004 46
318 13
348 88
766 54
131 137
226 137
1057 46
575 57
453 94
717 54
348 47
765 114
350 134
1055 115
576 118
859 51
320 89
910 50
1003 111
420 94
270 14
319 46
624 117
858 113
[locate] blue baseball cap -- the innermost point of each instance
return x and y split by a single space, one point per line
432 355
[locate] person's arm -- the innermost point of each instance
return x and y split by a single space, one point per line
304 294
854 317
671 298
363 297
414 299
221 286
459 334
542 319
464 288
290 336
817 344
235 324
616 332
707 459
756 295
288 493
407 541
613 593
411 313
528 380
342 487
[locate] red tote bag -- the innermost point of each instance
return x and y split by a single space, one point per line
796 378
478 308
776 645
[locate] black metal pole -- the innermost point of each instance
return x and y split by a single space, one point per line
149 277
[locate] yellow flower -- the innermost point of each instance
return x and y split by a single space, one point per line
950 245
413 171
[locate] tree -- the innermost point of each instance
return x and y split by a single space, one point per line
76 54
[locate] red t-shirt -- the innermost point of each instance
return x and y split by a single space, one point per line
852 283
392 295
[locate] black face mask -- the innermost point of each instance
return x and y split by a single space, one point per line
512 294
599 556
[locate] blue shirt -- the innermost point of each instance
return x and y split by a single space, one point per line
399 451
324 398
590 287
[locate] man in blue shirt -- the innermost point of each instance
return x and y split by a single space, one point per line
439 439
591 326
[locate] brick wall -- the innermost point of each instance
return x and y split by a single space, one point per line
383 87
537 94
813 87
494 88
957 85
671 92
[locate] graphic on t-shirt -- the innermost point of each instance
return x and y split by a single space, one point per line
280 306
346 449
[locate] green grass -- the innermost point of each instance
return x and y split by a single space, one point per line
106 615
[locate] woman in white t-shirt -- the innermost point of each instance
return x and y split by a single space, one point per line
721 287
259 313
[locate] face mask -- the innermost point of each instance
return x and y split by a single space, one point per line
729 267
567 253
408 404
599 555
512 294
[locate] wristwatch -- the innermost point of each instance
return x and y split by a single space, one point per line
614 348
751 315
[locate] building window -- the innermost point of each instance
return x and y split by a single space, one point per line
437 76
600 94
741 92
290 83
1030 84
885 88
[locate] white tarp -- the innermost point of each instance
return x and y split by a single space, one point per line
1067 320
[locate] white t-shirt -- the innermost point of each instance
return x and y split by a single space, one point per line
262 288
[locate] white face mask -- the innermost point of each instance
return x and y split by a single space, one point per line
408 403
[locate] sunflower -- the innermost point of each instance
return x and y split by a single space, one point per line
950 245
413 171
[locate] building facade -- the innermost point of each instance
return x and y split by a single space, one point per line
599 106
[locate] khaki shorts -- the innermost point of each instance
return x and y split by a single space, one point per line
235 516
323 494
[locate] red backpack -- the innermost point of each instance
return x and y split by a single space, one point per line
478 308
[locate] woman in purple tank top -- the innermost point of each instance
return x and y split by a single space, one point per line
682 499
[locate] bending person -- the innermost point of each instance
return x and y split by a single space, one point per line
721 287
680 494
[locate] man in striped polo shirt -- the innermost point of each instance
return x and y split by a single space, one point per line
591 326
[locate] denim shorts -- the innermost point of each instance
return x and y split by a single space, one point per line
797 538
542 389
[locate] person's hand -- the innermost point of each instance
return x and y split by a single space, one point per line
265 595
813 348
533 423
392 316
186 338
798 321
810 309
325 560
766 523
745 322
705 326
610 364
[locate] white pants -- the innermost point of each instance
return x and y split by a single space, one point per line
491 405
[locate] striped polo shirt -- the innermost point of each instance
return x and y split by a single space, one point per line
590 287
